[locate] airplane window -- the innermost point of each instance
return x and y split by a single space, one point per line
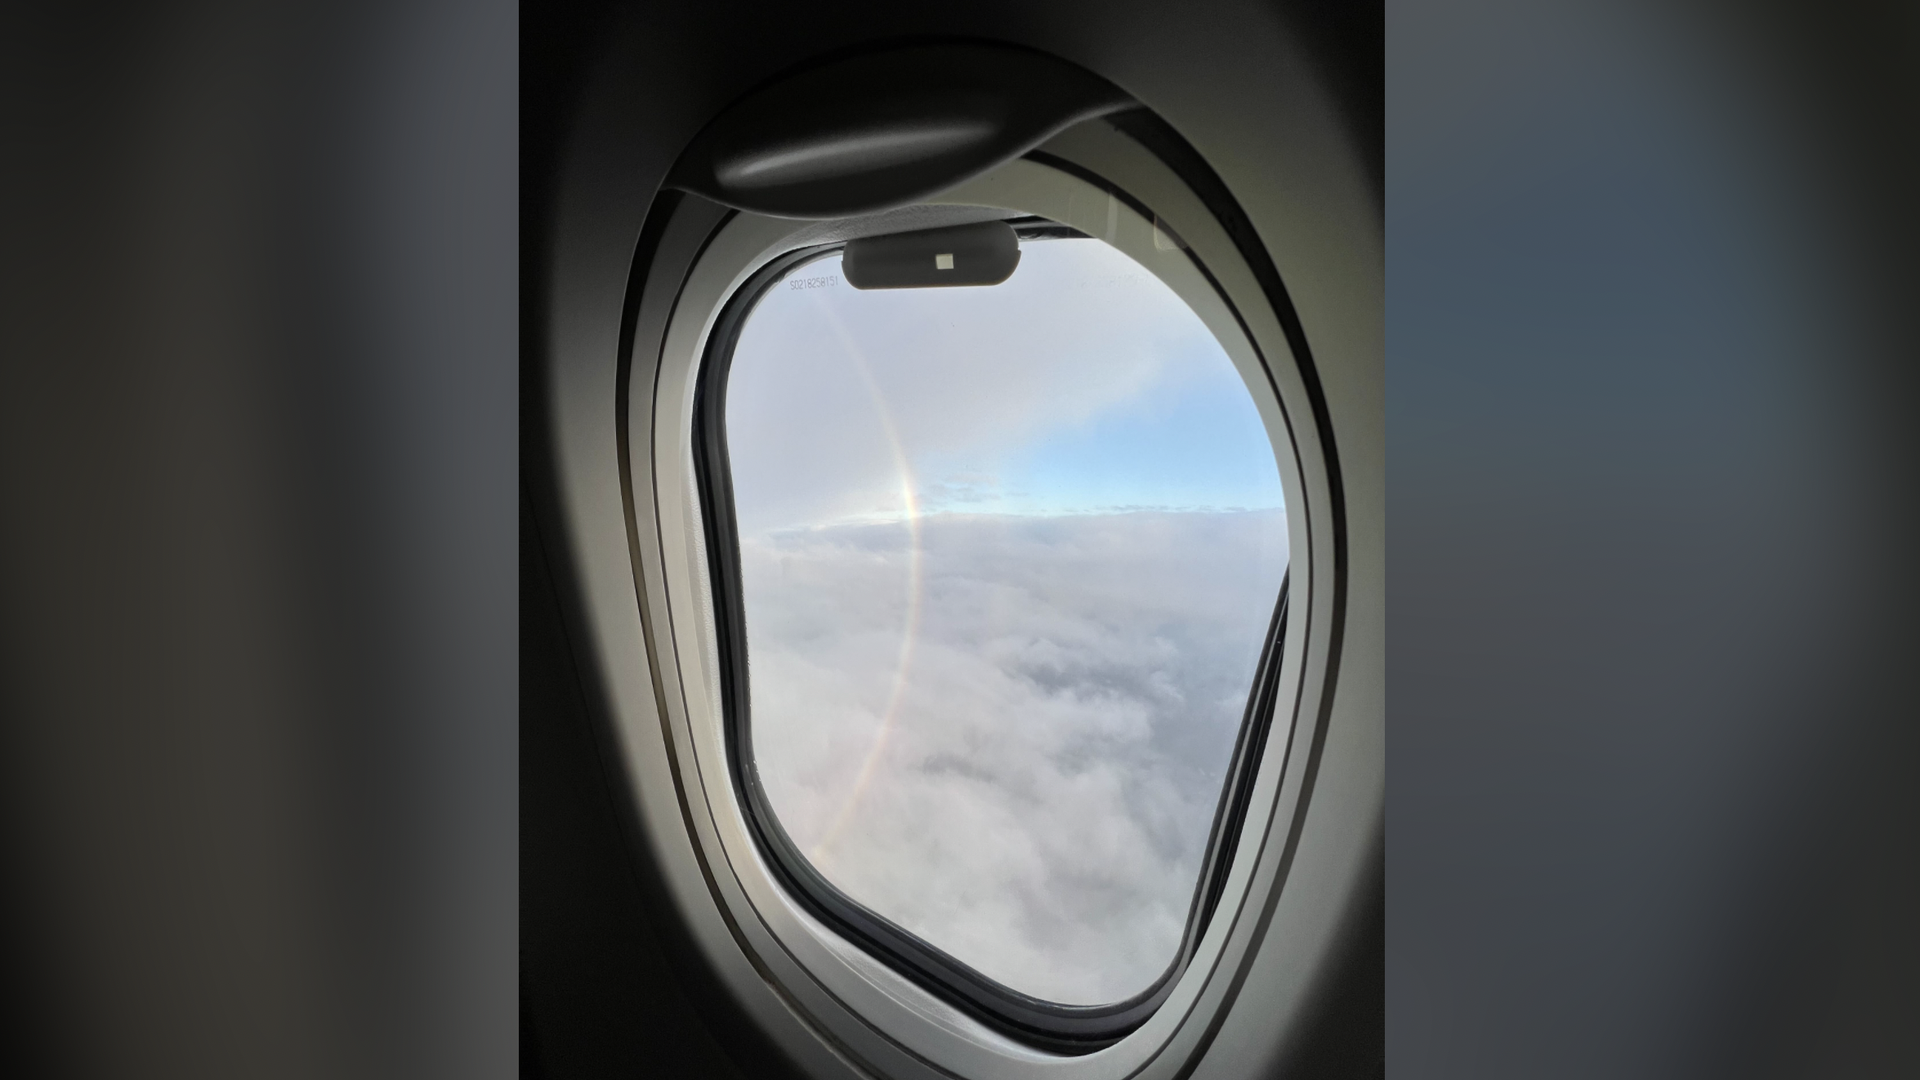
1008 556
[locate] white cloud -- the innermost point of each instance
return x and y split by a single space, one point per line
1044 793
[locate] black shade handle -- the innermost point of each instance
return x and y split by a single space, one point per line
984 253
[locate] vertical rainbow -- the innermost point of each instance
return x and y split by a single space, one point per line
910 500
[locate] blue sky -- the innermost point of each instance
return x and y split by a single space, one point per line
1081 384
1195 445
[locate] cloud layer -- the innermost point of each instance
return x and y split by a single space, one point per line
1039 799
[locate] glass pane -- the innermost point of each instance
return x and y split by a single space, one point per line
1008 558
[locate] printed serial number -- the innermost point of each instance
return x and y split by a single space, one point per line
813 282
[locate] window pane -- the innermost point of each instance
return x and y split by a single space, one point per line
1008 558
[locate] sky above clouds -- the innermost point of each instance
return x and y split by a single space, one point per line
1008 557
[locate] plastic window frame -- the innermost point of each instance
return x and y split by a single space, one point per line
1071 1029
866 1016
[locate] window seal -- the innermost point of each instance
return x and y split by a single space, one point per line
1060 1028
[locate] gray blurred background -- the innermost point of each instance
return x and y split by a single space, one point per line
1651 419
257 539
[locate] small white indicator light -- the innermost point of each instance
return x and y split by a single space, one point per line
943 262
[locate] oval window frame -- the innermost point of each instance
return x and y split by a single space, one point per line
1066 1029
748 930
